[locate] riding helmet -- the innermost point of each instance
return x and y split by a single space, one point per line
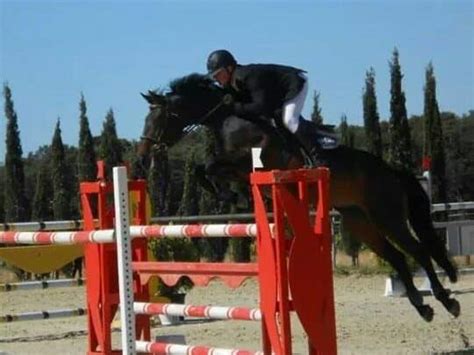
219 59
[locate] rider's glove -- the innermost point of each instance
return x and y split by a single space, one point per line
228 99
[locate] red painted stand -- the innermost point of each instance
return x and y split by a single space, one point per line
101 264
297 260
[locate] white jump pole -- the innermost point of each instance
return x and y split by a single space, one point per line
124 259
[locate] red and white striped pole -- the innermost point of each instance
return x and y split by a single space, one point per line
175 349
153 231
209 312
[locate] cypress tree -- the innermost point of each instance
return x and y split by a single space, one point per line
110 146
158 182
433 141
16 207
371 116
400 140
347 133
61 191
42 210
2 195
189 199
86 158
316 116
455 157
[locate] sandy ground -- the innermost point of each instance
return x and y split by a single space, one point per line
367 322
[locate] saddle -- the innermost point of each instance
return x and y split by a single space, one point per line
326 138
314 138
309 140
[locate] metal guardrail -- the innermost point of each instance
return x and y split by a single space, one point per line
452 206
43 226
459 236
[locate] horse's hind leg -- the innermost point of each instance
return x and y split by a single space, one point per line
420 221
419 215
357 222
397 228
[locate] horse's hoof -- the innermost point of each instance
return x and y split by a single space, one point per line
415 298
454 307
426 312
453 276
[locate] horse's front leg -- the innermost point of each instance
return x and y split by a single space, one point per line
205 181
213 183
220 172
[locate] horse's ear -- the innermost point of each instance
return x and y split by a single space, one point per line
153 98
146 97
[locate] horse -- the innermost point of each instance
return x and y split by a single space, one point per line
383 207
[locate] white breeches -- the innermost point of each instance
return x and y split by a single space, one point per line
292 108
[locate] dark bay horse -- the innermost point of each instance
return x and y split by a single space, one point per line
384 208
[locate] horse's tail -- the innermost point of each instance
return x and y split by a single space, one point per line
419 215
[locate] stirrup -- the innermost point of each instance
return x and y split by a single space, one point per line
308 161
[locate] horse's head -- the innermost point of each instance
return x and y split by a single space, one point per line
171 114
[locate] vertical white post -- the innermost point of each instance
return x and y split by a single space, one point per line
124 259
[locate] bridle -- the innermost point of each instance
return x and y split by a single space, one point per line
157 144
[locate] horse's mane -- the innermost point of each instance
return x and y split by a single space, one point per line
191 84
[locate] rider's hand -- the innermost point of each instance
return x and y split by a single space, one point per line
228 99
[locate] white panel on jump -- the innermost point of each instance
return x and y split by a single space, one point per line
124 260
256 158
394 287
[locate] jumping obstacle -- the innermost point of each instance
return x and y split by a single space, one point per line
43 258
175 349
283 266
294 257
209 312
34 285
41 315
40 259
108 235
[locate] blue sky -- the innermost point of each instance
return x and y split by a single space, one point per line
51 51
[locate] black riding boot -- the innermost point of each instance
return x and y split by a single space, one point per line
306 134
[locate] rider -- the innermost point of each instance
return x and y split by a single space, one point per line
265 90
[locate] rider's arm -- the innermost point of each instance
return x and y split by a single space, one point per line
258 105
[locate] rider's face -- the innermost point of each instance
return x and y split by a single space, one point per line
223 76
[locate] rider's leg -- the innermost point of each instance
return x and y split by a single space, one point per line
301 128
292 109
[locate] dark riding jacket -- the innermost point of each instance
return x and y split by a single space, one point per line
261 89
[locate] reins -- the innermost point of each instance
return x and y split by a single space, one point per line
203 119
